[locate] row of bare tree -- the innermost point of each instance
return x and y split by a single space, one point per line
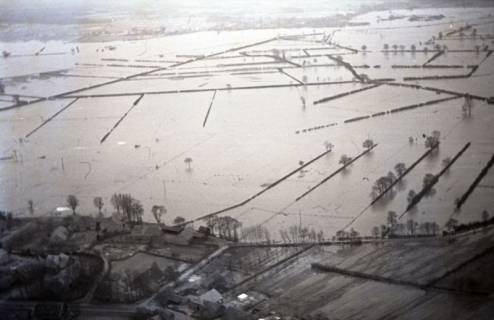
225 227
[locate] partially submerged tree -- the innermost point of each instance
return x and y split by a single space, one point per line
485 216
446 161
381 184
400 168
158 211
98 203
391 176
212 223
188 162
131 208
375 232
434 228
328 145
451 225
137 211
345 160
425 228
433 140
30 207
467 106
430 142
428 180
411 226
411 195
72 202
260 233
116 201
392 220
368 143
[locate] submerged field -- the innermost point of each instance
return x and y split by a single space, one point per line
247 107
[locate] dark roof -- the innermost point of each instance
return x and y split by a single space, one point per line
172 229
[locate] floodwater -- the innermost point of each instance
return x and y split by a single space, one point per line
258 127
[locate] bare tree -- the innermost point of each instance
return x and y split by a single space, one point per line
137 211
411 195
368 143
434 228
433 140
98 203
126 205
392 177
131 208
188 162
467 106
451 225
411 226
400 169
345 160
375 232
116 201
212 224
72 202
485 216
30 207
426 227
381 185
158 211
428 180
392 219
236 225
328 145
446 161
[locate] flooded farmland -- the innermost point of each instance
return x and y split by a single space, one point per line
247 108
246 160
